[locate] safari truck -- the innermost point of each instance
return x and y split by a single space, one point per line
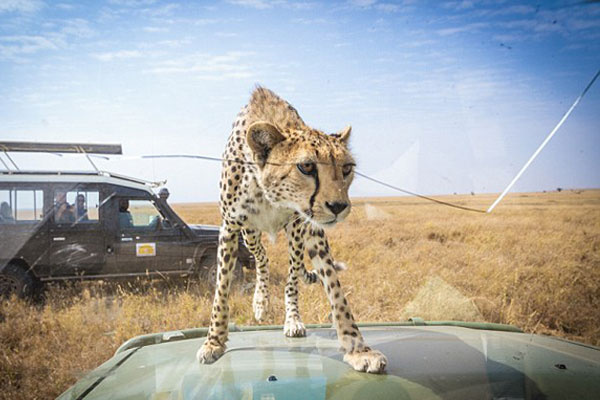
59 225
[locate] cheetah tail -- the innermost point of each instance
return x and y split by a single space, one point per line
340 266
310 277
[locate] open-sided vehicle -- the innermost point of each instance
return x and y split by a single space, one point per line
58 225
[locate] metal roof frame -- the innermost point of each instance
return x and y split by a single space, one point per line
53 175
57 147
76 148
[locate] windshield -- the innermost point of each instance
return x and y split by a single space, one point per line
466 189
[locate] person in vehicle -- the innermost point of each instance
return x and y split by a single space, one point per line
63 211
6 213
125 218
164 194
82 212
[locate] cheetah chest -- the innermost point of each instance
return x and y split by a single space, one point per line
268 218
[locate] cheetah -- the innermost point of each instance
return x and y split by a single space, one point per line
278 173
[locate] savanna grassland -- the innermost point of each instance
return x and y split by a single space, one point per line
534 263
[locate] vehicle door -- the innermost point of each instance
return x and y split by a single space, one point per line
76 238
146 242
23 233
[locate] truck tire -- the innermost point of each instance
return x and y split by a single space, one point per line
209 270
14 279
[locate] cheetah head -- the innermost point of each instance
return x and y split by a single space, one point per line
304 170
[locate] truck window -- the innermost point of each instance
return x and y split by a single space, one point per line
18 205
138 214
76 206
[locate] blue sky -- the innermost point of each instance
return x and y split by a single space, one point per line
443 96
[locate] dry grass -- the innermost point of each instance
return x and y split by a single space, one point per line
534 263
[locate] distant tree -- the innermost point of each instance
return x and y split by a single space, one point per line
559 189
472 193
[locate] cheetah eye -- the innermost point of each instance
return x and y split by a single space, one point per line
307 168
347 169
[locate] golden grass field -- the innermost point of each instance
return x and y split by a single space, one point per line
534 263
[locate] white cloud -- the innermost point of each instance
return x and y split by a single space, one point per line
55 37
518 9
580 24
231 65
310 21
65 6
206 21
363 3
419 43
459 5
387 7
464 28
118 55
535 26
132 3
509 37
11 46
77 27
154 29
26 6
299 5
162 11
258 4
226 34
173 43
266 4
145 8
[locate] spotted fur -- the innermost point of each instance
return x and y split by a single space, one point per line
278 173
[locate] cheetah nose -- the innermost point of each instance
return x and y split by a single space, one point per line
336 207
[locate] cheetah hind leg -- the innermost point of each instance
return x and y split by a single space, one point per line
296 328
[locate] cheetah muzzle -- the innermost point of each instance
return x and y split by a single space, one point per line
278 173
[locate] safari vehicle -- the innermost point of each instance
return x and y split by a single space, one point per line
58 225
426 360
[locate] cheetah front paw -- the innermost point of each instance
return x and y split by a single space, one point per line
371 361
209 353
294 328
260 305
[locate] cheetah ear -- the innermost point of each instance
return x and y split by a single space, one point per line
344 135
262 137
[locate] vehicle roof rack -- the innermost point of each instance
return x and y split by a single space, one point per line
86 173
83 148
56 147
78 148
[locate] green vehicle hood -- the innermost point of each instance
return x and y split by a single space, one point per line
427 361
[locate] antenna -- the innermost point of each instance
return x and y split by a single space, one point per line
544 143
